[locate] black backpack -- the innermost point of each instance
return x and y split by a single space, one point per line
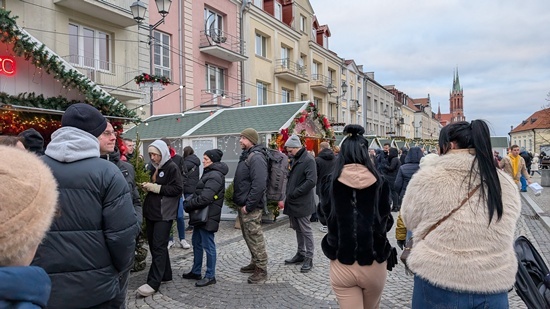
277 174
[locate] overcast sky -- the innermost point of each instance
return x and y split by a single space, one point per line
501 49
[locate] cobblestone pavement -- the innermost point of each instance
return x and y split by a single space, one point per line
286 287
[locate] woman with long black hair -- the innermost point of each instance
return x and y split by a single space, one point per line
356 201
462 212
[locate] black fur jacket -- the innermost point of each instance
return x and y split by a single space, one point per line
357 208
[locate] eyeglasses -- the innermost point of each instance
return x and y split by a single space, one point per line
109 133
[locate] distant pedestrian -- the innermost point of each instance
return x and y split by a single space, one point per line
160 209
209 193
535 165
357 204
28 192
250 186
324 163
192 163
514 165
458 205
403 155
299 203
90 245
390 173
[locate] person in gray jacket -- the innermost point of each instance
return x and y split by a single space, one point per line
91 242
299 203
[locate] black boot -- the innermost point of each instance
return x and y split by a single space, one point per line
308 264
298 258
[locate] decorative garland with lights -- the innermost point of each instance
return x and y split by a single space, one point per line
327 133
147 78
23 46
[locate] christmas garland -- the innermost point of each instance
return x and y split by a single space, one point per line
23 46
144 78
327 133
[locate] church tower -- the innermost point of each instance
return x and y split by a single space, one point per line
456 100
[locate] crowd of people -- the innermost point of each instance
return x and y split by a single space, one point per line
73 214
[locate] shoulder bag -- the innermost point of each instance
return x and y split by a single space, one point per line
199 216
409 244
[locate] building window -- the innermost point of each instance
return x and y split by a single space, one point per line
303 22
315 68
259 3
285 57
215 80
286 96
325 40
161 50
262 93
375 106
214 24
313 33
303 97
278 11
317 102
261 45
89 47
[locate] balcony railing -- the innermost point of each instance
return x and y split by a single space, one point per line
220 98
114 11
221 44
321 83
291 71
105 73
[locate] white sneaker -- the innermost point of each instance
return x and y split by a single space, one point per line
145 290
323 229
170 244
184 244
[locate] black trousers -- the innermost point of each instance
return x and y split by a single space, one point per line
158 233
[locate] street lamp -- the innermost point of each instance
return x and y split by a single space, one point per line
416 127
344 87
138 12
385 117
397 117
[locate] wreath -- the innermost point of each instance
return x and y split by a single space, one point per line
144 78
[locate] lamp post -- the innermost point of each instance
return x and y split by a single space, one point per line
138 12
416 127
344 87
385 113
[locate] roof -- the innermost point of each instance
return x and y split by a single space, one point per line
539 120
264 119
422 101
499 141
445 119
170 126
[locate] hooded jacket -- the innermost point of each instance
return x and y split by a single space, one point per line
464 253
24 287
192 163
210 192
92 240
251 179
324 163
163 206
302 178
406 171
358 217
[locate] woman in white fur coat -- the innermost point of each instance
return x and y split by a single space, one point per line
468 261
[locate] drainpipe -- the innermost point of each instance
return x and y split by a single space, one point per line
241 35
180 47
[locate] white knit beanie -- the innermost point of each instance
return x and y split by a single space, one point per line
28 198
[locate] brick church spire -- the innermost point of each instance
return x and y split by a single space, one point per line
456 100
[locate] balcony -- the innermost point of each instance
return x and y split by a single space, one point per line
291 71
354 105
113 11
221 44
321 83
108 75
220 98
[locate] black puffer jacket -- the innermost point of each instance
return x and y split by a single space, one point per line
92 239
129 174
407 170
210 191
324 163
192 163
251 179
299 200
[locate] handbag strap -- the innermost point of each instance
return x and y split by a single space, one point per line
472 192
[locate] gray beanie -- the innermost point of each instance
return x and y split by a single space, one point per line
293 142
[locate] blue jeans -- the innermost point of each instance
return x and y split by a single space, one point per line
180 222
523 183
203 240
426 295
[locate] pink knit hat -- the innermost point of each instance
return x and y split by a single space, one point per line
28 195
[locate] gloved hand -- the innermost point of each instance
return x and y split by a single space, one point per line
401 244
151 187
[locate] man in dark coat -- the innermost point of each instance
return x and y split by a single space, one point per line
324 163
91 243
33 141
250 183
192 163
299 202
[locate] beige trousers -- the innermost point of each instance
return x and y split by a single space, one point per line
358 286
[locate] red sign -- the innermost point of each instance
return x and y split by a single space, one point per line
7 65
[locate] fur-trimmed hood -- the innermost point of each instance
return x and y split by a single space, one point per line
465 252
